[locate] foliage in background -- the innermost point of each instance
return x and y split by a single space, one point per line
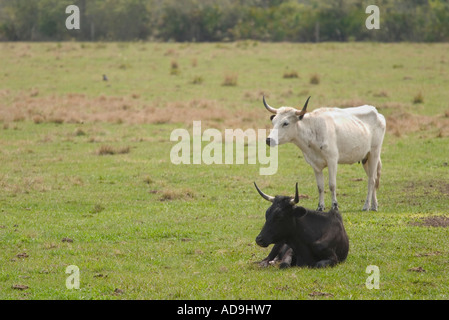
229 20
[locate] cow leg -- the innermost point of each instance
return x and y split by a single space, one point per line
272 256
333 184
326 263
366 168
320 184
303 256
286 261
321 248
374 205
372 168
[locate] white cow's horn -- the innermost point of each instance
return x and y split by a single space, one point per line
265 196
269 108
304 109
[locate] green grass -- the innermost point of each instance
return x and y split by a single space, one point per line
156 230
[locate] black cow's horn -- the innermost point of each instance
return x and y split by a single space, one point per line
304 109
296 200
265 196
269 108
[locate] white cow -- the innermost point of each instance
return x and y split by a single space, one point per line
328 136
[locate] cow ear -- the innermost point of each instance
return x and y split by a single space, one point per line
271 118
298 212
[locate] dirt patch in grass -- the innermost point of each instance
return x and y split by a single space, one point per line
320 294
19 287
433 221
426 188
416 269
402 123
428 254
80 108
417 193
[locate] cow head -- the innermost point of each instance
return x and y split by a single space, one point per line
284 120
280 218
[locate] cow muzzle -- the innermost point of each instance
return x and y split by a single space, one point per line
271 142
260 242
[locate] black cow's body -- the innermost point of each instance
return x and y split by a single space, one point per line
302 237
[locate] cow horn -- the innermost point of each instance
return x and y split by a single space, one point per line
304 109
265 196
269 108
296 200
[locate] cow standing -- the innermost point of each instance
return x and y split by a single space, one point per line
329 136
302 237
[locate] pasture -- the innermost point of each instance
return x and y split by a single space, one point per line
86 177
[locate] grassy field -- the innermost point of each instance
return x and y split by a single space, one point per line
86 177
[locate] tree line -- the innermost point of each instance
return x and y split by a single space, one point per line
225 20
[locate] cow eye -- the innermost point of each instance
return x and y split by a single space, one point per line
285 124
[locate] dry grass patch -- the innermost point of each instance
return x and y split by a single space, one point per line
170 195
230 80
381 94
315 79
109 150
24 185
174 68
402 123
418 98
433 221
80 108
291 74
197 80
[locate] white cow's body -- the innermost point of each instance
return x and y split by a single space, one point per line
329 136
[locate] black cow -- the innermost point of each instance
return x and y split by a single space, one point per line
302 237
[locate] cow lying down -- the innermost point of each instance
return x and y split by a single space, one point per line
302 237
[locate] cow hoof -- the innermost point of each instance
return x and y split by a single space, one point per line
284 265
264 263
335 206
324 263
320 208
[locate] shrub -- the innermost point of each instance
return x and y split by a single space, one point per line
314 79
290 74
418 98
230 80
174 68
